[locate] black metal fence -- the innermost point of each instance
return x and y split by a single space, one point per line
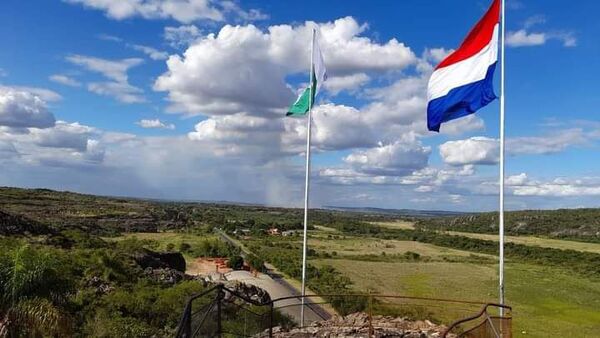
222 312
485 324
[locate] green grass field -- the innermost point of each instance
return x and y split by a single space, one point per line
526 240
349 245
396 224
547 302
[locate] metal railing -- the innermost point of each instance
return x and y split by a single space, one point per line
484 324
222 312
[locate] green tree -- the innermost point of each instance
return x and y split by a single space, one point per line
256 263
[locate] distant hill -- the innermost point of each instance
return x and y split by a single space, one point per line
106 215
398 212
37 211
58 210
577 224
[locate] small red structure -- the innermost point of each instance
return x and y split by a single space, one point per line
219 263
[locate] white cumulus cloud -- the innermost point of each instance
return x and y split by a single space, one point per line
522 38
395 159
63 135
556 190
475 150
243 68
336 84
45 94
22 109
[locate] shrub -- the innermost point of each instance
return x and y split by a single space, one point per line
34 286
235 262
184 247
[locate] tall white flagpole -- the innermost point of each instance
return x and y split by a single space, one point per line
501 215
307 177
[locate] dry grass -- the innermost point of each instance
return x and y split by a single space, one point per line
407 225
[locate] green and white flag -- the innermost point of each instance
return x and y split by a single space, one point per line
305 100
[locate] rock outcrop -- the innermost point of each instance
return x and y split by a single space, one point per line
166 276
248 291
160 260
357 325
19 225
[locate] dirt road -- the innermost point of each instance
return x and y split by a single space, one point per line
276 289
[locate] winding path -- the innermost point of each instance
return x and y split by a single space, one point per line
277 287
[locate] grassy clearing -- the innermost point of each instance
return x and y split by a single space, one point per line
396 224
526 240
547 302
345 246
536 241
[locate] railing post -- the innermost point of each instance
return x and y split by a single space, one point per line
271 320
219 300
187 320
489 320
371 330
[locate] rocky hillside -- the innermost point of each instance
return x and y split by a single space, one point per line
95 214
19 225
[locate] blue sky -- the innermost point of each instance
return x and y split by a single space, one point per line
111 97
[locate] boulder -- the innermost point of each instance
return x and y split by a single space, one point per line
160 260
165 275
101 287
249 291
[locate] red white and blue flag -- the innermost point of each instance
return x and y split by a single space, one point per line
463 82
